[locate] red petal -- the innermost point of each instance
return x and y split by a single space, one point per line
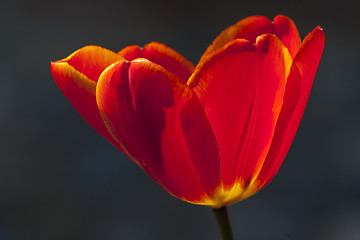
241 87
297 93
162 55
287 32
76 76
249 28
131 52
91 61
160 121
252 27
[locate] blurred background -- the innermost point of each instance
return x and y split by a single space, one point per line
59 179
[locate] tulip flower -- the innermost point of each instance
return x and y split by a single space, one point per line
213 134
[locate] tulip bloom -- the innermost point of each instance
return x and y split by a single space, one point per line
213 134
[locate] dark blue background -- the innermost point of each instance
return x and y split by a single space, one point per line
60 180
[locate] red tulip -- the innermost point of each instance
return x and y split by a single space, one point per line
213 134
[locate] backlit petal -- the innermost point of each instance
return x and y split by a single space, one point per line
91 61
287 32
131 52
77 75
162 55
249 28
252 27
161 123
241 87
297 93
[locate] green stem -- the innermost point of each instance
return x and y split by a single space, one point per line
223 222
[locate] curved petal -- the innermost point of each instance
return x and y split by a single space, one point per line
131 52
241 87
161 123
252 27
287 32
248 28
297 93
77 75
91 61
162 55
